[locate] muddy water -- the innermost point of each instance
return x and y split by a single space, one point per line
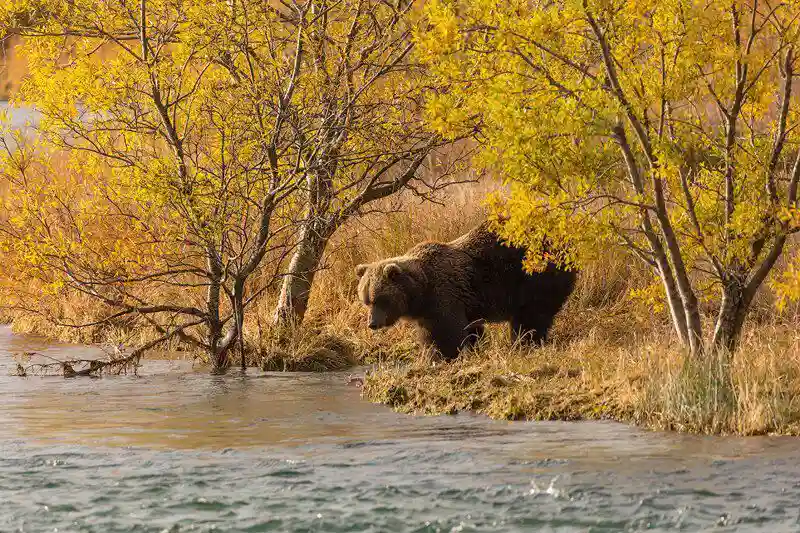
179 450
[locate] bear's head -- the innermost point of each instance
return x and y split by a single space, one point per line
390 289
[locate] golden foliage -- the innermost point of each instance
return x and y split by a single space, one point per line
668 129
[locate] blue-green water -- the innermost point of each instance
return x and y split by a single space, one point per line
179 450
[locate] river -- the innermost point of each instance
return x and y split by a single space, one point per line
177 449
19 117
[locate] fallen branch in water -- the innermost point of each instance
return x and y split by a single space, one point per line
86 367
116 364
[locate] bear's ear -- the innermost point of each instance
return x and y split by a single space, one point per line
393 271
360 269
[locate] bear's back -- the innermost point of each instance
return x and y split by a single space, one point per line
475 269
488 253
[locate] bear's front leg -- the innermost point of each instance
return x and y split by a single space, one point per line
447 334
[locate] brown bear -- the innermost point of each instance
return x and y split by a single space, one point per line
452 289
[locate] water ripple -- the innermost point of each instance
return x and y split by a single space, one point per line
179 451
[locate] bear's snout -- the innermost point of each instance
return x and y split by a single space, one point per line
377 318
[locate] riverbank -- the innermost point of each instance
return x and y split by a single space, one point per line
589 372
647 383
603 364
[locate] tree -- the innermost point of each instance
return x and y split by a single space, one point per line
205 132
179 183
667 128
359 125
337 80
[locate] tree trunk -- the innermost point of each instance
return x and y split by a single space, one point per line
694 325
222 346
673 300
238 315
732 313
217 349
296 287
220 364
691 308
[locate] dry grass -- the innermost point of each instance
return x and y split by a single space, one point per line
303 349
501 381
647 382
754 392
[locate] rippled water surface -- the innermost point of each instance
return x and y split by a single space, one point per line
178 450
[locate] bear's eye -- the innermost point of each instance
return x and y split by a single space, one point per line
380 301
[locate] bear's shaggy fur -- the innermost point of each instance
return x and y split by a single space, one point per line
452 289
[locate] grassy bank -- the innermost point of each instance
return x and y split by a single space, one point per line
613 356
648 383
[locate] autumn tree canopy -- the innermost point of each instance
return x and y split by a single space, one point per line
199 122
180 172
667 128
